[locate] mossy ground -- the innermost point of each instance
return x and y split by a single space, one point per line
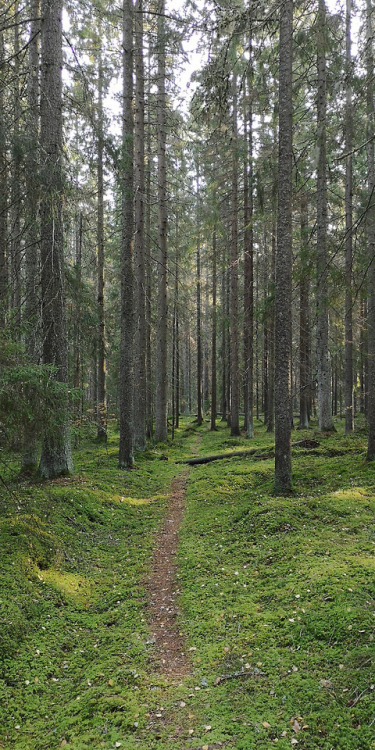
280 590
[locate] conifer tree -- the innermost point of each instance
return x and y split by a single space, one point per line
101 395
127 228
349 406
234 308
283 289
32 260
3 192
370 224
161 374
323 366
56 458
139 242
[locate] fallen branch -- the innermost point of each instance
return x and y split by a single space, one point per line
244 673
309 444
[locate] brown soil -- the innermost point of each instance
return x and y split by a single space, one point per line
162 589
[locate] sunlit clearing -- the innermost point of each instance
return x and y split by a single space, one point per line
69 584
133 500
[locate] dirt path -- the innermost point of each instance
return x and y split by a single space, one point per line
162 588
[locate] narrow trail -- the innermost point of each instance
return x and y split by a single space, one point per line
162 587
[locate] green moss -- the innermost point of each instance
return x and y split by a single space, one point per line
277 599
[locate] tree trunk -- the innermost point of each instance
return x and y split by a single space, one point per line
139 253
206 359
175 342
362 356
335 379
349 416
94 378
147 243
234 371
188 368
199 314
228 346
323 368
248 261
30 438
161 427
283 286
304 385
265 287
101 396
265 389
370 222
214 335
173 368
177 339
3 198
56 458
77 323
127 291
257 341
16 199
271 336
224 357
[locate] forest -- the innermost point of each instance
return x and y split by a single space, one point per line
187 381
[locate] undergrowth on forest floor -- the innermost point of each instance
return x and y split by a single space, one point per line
277 601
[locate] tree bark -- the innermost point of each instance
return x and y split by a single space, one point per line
173 368
175 341
224 340
32 270
139 249
56 458
265 287
78 405
349 413
304 384
147 243
177 323
323 367
234 327
248 261
199 314
3 198
228 367
178 359
188 385
362 356
271 334
283 286
370 223
161 402
206 357
16 199
257 340
127 285
214 335
101 396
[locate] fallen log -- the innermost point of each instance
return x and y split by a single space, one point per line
218 457
198 460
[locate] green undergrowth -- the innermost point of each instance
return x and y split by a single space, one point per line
277 601
279 597
75 553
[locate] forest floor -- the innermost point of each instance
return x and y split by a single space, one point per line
176 608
